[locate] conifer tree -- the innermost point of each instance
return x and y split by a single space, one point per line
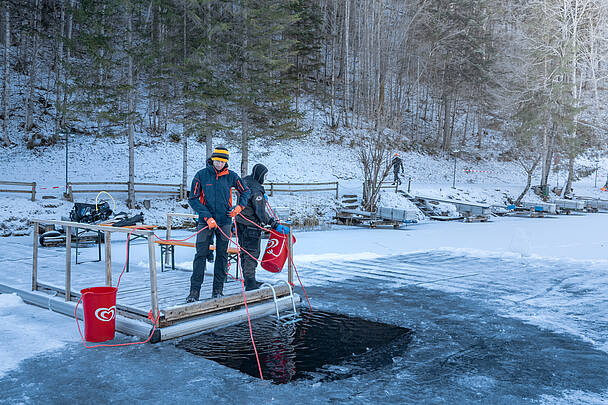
98 85
260 59
306 49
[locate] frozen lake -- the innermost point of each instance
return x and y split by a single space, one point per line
486 328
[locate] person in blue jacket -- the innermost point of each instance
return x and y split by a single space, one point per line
211 198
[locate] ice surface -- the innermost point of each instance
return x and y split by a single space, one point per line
497 318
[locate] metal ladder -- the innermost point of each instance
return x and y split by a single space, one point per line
276 305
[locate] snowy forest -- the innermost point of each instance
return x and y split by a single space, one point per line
436 74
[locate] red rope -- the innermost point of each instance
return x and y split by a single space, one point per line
270 208
181 240
288 253
300 281
150 316
238 266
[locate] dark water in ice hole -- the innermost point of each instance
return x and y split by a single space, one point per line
330 345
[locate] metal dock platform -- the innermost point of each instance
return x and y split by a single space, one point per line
143 292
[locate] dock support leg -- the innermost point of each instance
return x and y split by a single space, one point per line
168 236
108 246
153 285
35 259
68 263
290 251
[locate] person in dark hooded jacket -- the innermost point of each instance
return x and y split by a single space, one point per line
211 198
250 234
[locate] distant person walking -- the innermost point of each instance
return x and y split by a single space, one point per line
397 167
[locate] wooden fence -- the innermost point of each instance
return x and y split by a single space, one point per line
272 188
175 190
31 187
170 189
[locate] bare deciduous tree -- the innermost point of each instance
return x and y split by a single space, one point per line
374 156
5 81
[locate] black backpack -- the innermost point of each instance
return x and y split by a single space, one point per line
88 213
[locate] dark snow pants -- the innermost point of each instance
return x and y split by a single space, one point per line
203 240
249 239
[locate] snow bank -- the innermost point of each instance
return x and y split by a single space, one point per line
27 331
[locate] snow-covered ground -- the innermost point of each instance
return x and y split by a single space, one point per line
544 281
322 156
508 311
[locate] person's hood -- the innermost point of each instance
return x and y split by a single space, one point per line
258 172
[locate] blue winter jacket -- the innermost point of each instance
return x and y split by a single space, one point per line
211 193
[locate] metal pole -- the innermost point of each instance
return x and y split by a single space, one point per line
168 236
409 183
66 160
454 176
289 264
153 285
35 259
68 263
108 246
596 162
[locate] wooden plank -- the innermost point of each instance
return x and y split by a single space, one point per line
17 183
120 191
96 183
93 227
82 183
158 184
182 214
68 263
16 191
99 191
223 303
35 259
143 315
157 192
304 184
302 190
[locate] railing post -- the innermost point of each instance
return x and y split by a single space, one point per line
337 191
409 183
168 236
34 191
35 259
108 246
153 285
290 252
271 188
68 263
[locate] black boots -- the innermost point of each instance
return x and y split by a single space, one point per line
216 294
193 296
252 284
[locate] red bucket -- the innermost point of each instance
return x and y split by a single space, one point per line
276 252
99 304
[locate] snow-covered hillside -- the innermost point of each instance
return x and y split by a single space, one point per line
322 156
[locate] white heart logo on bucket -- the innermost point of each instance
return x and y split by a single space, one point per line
272 243
105 314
